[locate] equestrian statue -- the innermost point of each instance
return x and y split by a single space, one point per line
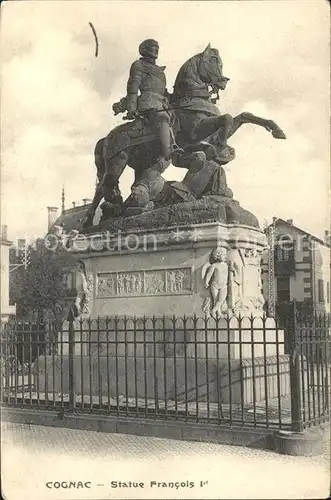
184 128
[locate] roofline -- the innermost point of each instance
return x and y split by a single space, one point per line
319 240
6 242
75 209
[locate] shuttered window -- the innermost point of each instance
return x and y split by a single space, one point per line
320 291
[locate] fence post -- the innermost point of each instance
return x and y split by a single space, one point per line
3 356
72 396
295 377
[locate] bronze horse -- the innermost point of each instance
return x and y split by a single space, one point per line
198 125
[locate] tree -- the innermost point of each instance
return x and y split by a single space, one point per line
39 289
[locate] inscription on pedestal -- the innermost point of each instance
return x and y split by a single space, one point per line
147 282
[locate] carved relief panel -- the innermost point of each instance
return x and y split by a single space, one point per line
147 282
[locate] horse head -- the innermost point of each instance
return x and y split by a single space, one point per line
210 69
200 72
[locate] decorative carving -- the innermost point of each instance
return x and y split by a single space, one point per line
129 283
154 282
215 275
252 256
106 286
250 252
86 305
175 281
255 300
84 291
236 264
233 278
147 282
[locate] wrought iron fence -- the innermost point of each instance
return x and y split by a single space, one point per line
310 345
229 372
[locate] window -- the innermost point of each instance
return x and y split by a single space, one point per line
283 253
320 291
283 289
284 249
328 292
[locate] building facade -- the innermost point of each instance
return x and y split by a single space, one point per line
301 269
7 310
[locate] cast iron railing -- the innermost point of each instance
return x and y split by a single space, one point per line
225 372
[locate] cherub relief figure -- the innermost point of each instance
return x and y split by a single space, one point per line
215 275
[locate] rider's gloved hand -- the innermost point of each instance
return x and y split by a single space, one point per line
132 115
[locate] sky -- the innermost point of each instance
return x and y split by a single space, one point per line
56 98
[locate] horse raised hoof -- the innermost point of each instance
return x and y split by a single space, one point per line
225 155
193 161
277 133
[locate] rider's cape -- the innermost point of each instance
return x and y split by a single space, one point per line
127 135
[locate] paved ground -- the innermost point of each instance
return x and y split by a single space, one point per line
35 455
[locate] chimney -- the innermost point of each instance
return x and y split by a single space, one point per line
4 233
86 201
73 204
327 237
290 221
21 242
52 216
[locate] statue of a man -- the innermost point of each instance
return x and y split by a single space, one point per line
147 95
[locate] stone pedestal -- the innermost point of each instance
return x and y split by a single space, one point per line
165 271
202 271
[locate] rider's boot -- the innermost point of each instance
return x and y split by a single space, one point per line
166 136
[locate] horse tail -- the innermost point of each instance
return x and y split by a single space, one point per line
99 158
